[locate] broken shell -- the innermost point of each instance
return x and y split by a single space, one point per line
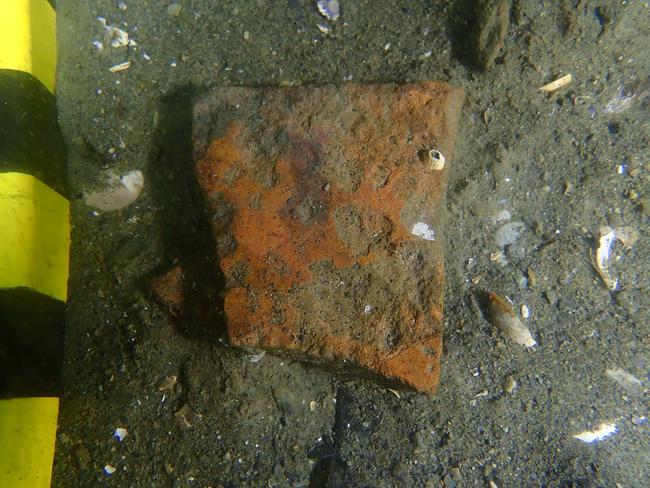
421 229
436 160
120 67
626 235
503 318
330 9
556 84
120 192
603 431
120 433
114 35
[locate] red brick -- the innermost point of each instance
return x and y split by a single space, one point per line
169 289
313 193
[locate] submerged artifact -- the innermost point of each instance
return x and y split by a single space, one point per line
327 211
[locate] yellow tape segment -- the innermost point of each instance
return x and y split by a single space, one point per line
27 440
35 236
28 38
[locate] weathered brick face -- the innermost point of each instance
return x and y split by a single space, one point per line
317 197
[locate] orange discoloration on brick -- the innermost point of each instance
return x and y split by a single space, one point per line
323 154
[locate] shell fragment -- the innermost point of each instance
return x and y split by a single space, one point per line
557 84
603 431
330 9
436 160
503 318
602 256
116 68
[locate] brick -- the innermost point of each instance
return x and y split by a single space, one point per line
168 288
328 221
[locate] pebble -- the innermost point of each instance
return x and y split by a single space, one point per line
449 481
186 417
168 383
532 278
509 384
174 9
551 297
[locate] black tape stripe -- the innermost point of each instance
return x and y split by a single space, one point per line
31 344
30 137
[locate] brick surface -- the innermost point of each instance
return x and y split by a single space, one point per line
328 221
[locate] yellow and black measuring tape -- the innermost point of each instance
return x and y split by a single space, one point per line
34 243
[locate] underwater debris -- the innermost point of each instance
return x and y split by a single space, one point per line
503 318
335 226
603 431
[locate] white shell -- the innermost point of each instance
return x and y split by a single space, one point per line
436 160
603 431
420 229
120 192
330 9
